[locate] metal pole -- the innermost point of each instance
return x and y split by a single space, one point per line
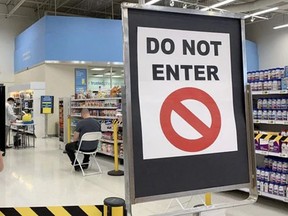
46 126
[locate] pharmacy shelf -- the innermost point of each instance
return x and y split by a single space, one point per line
93 107
267 153
257 121
93 99
111 141
269 92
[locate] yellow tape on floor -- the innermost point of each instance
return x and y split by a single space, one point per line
57 210
91 210
84 210
26 211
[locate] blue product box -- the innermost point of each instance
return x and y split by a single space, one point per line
284 83
286 71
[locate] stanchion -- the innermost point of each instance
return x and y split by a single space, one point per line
114 206
116 171
208 199
208 202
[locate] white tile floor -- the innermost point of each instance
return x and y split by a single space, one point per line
42 176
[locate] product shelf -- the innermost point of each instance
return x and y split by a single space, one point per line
110 141
109 154
268 92
93 99
283 199
97 117
267 153
281 122
92 107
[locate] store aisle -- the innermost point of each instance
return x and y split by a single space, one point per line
42 176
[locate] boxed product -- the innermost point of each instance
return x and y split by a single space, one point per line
274 146
264 145
284 83
286 71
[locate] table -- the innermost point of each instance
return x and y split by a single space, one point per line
25 131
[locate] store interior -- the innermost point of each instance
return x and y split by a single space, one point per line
41 175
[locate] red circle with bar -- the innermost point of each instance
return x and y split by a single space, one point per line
173 103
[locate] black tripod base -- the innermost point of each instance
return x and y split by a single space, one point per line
116 173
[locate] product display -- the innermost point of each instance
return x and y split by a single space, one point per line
273 177
105 108
270 103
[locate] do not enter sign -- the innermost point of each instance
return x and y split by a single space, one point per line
209 133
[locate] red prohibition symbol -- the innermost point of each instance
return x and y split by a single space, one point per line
173 103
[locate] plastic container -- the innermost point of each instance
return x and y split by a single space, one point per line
259 103
264 103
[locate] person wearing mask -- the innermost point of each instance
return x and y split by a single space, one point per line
87 124
10 117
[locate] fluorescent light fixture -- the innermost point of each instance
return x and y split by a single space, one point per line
280 26
152 2
116 76
217 5
98 69
108 74
98 75
261 12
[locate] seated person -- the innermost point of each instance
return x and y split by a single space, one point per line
87 124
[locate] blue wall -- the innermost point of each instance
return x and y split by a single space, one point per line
69 39
30 46
81 39
252 56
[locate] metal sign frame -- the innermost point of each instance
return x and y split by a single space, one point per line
127 121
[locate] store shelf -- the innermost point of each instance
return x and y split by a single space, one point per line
93 99
283 199
256 121
109 154
97 117
104 117
267 153
92 107
111 141
269 92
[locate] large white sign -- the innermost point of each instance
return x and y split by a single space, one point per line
185 93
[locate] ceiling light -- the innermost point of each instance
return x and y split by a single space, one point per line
217 5
152 2
108 74
117 76
280 26
98 69
98 75
261 12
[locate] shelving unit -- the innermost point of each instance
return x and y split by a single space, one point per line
269 139
64 104
103 110
27 97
